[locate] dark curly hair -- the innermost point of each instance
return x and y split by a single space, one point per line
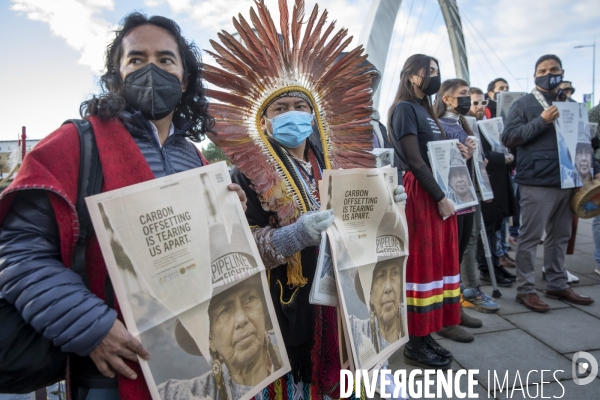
193 106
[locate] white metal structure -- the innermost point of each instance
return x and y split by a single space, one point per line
378 31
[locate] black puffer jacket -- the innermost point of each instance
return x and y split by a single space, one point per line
50 297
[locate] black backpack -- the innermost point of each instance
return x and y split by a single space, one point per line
28 361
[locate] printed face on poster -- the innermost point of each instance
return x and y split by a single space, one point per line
191 285
575 151
373 299
370 287
451 173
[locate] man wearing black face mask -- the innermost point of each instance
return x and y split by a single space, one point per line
495 86
544 205
152 102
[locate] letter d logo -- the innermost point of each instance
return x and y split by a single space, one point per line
580 368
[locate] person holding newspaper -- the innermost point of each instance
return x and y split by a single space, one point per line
432 273
153 103
503 204
271 95
494 87
452 103
544 205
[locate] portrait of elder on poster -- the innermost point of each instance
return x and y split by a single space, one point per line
154 237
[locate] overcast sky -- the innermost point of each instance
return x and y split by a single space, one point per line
53 49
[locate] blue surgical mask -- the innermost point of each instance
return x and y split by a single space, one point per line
291 129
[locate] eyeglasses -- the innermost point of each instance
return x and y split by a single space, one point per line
482 103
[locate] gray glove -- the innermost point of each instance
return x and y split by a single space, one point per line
399 194
303 233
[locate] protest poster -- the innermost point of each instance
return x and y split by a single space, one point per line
594 129
383 157
504 101
450 171
472 122
369 247
323 291
346 361
483 179
492 131
575 152
183 263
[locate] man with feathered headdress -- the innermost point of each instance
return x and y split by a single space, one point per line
277 85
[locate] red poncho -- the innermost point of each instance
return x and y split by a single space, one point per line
53 165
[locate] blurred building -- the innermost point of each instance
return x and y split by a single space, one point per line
8 151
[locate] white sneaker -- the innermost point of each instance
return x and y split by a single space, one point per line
570 277
598 269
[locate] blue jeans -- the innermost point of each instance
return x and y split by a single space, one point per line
501 245
596 233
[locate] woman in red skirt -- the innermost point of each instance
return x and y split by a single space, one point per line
432 272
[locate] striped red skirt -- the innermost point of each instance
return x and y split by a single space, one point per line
432 269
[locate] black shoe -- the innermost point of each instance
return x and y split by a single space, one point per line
484 276
436 348
420 355
500 270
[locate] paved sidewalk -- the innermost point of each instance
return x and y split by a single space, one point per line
516 339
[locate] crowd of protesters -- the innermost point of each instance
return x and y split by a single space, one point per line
445 246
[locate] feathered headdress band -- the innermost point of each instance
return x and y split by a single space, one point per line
304 56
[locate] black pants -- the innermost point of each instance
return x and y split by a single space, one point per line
465 227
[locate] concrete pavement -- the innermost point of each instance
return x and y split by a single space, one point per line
518 340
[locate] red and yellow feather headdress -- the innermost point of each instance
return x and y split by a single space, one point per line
304 57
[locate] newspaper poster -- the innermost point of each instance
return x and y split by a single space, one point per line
450 171
492 130
185 268
505 101
472 121
346 361
323 291
575 152
383 157
483 179
594 129
369 245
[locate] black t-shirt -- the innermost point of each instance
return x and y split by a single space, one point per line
411 118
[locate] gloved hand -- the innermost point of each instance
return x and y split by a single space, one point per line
399 194
305 232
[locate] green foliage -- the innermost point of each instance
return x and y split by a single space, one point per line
214 154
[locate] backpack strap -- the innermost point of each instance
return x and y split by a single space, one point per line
84 373
90 183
